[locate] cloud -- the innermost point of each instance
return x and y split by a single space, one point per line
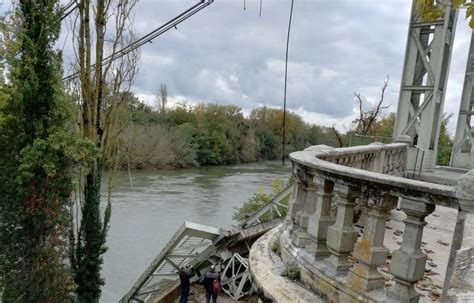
229 55
333 52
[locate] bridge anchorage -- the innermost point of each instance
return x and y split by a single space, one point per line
202 246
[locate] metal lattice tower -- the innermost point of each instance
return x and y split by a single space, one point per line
423 83
462 154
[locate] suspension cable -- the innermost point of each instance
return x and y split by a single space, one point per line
68 9
286 80
151 35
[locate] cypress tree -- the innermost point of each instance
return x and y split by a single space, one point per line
36 136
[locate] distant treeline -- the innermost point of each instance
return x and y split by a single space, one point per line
184 135
210 134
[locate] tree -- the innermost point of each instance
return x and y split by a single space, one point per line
338 135
366 123
260 199
100 85
35 161
386 125
445 143
321 135
431 10
162 98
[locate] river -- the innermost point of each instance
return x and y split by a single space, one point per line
143 220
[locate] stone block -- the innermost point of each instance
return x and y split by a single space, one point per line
318 225
402 293
304 220
362 279
300 238
295 209
465 191
338 265
407 266
318 249
370 255
463 275
340 239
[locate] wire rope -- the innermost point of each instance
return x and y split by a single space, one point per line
151 35
286 81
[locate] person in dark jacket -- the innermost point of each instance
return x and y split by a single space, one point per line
208 282
185 274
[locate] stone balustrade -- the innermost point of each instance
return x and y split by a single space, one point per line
337 263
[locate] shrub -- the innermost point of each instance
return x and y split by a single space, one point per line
258 200
276 248
292 272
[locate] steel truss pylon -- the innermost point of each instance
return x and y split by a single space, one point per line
423 84
462 153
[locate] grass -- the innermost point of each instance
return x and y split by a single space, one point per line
292 272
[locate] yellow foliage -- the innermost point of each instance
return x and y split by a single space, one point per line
277 186
430 11
261 191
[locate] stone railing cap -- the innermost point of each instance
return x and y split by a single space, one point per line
465 191
439 194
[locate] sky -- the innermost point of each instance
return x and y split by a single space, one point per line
228 55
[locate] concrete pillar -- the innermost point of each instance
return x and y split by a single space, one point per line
459 279
408 262
369 251
342 235
321 218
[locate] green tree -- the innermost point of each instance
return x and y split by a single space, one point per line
322 135
220 125
260 199
386 125
445 143
35 161
182 113
268 124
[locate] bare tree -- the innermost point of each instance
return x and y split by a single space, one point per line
365 123
101 29
162 98
338 135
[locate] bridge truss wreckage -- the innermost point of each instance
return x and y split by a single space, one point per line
202 246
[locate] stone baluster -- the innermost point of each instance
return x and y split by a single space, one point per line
369 251
296 201
342 235
321 219
378 158
300 236
408 262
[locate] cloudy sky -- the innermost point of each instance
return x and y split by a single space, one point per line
229 55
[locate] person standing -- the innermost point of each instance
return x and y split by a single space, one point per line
208 282
185 274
